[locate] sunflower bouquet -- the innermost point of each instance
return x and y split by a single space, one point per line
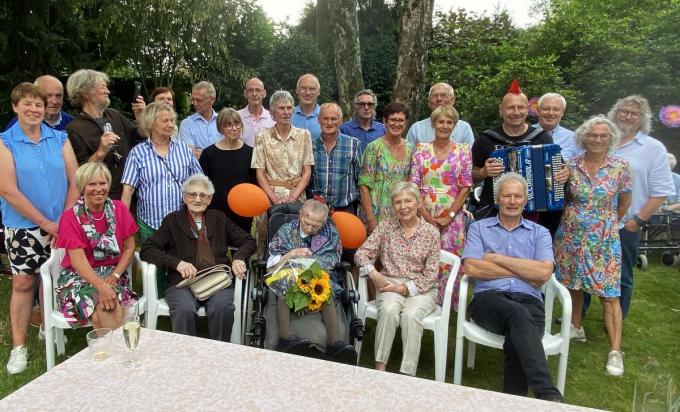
302 283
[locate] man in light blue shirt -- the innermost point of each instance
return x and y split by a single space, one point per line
441 94
509 258
306 114
200 129
362 125
551 107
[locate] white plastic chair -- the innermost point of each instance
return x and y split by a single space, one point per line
53 321
557 344
437 321
159 307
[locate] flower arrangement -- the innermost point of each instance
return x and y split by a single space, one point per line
302 283
670 116
533 106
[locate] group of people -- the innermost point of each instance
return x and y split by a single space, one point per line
410 186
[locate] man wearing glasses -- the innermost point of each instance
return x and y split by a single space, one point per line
362 125
306 114
441 94
200 129
254 116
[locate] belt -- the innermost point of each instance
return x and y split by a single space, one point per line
288 184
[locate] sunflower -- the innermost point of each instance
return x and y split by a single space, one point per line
314 306
320 289
302 284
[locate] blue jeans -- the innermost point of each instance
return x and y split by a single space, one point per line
630 241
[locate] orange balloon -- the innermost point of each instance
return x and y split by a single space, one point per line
350 228
247 200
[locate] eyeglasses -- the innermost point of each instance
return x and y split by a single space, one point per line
197 99
232 126
254 90
365 104
307 89
440 95
396 121
197 195
626 113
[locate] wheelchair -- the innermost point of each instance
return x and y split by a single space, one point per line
662 234
262 325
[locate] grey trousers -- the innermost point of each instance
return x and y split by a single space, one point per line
184 308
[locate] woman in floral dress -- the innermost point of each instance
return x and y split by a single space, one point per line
443 172
587 245
386 161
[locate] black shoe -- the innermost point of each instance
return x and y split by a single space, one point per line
293 344
551 397
342 352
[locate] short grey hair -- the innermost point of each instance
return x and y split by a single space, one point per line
314 207
363 92
82 83
408 187
280 95
672 161
507 177
198 179
643 104
448 86
587 127
557 96
151 112
207 86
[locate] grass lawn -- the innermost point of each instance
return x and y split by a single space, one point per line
651 332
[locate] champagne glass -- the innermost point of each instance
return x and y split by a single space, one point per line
131 331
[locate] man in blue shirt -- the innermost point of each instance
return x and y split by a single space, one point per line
441 94
551 107
200 129
362 125
306 114
510 258
54 90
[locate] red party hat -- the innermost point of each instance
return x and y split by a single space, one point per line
514 87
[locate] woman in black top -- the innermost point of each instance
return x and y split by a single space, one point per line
227 163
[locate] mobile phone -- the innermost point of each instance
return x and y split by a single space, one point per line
138 91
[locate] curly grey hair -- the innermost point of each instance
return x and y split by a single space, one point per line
198 179
82 83
587 127
642 103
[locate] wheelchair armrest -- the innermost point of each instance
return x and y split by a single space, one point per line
342 266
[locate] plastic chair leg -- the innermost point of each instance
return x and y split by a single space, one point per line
458 361
440 349
61 349
49 348
472 347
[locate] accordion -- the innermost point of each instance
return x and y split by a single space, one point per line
538 164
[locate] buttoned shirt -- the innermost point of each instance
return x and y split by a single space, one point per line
423 132
282 159
311 122
63 119
40 174
336 174
650 170
158 179
565 138
252 126
354 129
528 240
198 132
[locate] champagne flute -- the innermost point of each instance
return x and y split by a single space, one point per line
131 332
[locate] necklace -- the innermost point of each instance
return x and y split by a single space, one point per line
95 218
441 152
393 146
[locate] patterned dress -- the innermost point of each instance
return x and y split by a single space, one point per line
439 182
380 172
587 245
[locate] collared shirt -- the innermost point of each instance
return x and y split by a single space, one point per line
423 132
311 122
252 126
675 198
40 174
196 131
415 258
336 174
282 159
352 128
650 170
529 240
565 138
62 121
158 180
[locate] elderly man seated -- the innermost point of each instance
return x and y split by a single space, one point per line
311 235
510 258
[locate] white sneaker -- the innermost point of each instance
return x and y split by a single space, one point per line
41 335
18 359
615 363
577 334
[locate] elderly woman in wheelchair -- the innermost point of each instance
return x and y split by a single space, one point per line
310 235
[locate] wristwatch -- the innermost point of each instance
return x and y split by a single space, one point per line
452 214
640 221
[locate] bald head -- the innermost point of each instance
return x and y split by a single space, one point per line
308 89
255 92
55 96
514 109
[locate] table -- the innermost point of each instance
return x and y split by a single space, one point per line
186 373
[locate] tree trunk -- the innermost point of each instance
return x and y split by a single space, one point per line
416 32
344 28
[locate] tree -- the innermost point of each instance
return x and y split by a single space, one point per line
414 42
346 51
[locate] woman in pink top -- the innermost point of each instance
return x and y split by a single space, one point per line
98 234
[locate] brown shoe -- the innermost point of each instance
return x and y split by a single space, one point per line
36 316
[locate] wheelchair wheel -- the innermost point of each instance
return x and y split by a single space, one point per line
669 258
642 262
